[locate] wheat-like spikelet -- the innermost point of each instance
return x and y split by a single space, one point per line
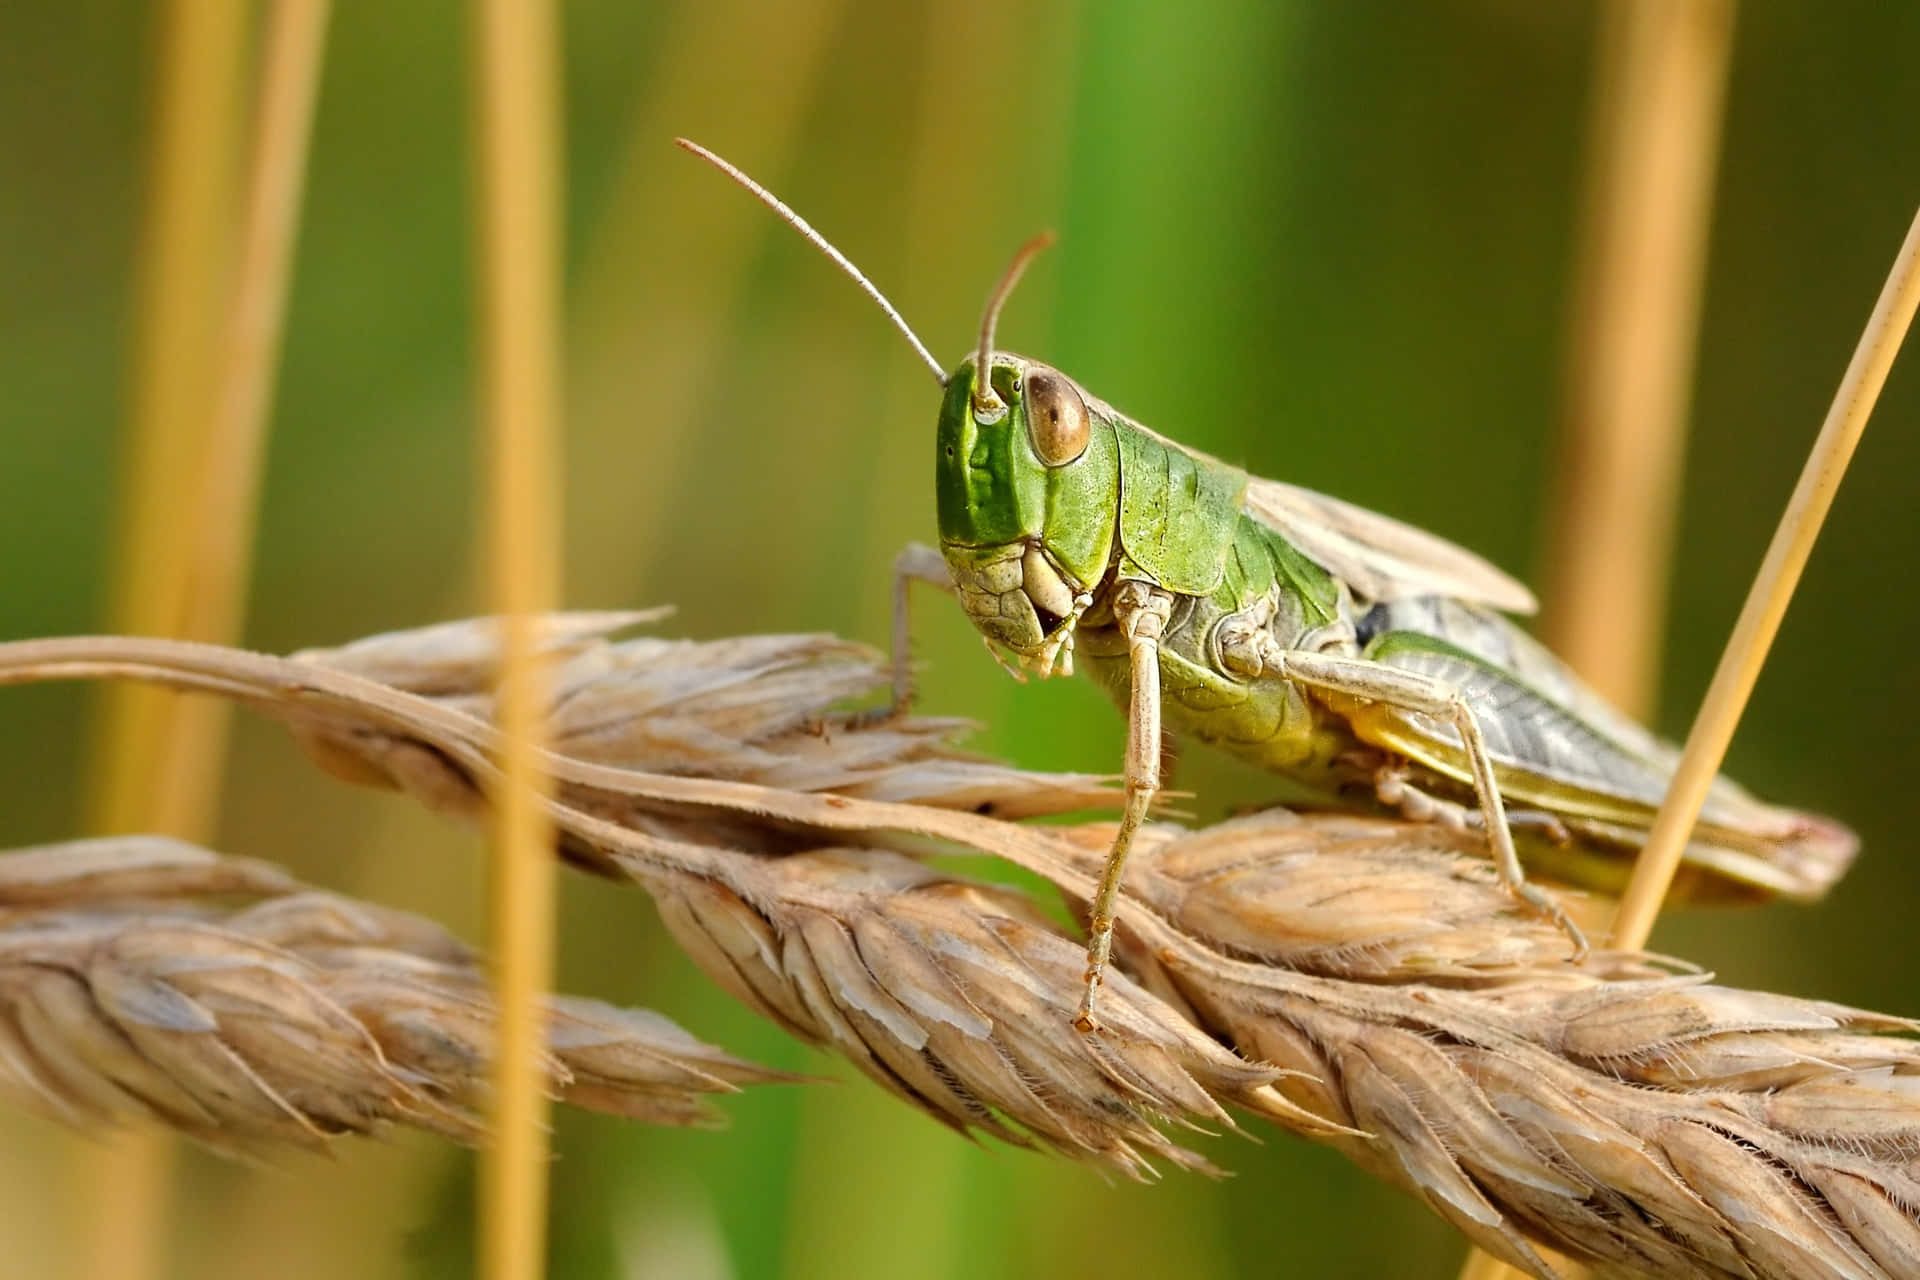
953 995
1381 991
1643 1120
763 709
146 979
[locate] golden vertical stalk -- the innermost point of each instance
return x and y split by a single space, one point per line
122 1191
1659 88
1772 588
219 523
1658 92
1484 1266
515 114
181 255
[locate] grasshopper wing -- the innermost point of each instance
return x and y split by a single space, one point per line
1603 782
1379 558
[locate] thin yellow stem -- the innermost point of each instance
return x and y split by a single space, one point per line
515 112
1484 1266
121 1192
182 263
1772 588
220 521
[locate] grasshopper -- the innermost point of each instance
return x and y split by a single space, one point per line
1360 656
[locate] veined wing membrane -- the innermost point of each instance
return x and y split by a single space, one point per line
1380 558
1542 754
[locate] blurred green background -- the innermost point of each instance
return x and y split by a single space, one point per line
1331 242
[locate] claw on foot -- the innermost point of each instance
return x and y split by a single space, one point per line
1084 1020
1541 903
1000 660
874 717
1556 830
1392 789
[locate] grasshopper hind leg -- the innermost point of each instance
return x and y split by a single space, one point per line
1429 696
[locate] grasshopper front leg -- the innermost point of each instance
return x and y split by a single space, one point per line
1425 695
1141 611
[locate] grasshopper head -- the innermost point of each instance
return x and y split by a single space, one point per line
1029 472
1029 495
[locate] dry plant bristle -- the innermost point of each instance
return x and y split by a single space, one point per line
1383 993
146 979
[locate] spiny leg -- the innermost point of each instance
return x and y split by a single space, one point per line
1393 789
917 562
1427 696
1141 610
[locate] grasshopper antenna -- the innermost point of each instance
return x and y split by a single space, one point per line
819 242
987 405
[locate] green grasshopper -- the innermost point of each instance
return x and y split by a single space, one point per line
1358 655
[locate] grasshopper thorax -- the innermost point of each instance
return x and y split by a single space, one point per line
1028 491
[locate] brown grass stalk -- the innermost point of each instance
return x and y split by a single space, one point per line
515 117
1773 586
1378 990
146 980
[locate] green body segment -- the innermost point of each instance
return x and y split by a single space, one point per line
1177 513
1272 723
1260 563
992 492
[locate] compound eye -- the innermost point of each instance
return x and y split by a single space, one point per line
1056 417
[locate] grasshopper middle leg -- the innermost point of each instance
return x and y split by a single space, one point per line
1428 696
1141 611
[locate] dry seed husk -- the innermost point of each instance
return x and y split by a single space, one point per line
127 870
1642 1120
954 996
136 983
757 709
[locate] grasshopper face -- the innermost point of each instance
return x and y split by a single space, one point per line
1029 503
